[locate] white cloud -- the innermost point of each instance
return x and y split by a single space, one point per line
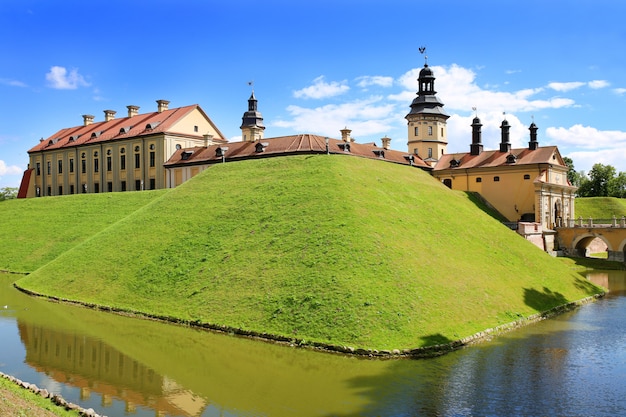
365 117
458 89
595 84
585 160
563 87
59 78
9 169
322 89
587 137
620 91
12 83
382 81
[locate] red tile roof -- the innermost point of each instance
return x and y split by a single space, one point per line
288 145
122 128
495 158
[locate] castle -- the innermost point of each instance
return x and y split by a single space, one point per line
162 149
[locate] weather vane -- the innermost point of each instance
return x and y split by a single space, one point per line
475 112
422 49
251 84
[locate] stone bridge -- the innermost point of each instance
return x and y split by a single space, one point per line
575 235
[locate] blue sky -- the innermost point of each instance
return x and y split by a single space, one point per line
320 66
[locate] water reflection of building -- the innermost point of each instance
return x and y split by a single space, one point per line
96 368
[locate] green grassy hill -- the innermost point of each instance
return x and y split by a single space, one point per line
35 231
600 207
332 249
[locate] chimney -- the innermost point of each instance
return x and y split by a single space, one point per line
345 134
109 115
505 145
208 140
476 147
533 144
162 105
87 119
386 142
132 111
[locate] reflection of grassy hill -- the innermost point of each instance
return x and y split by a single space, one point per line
35 231
600 207
327 248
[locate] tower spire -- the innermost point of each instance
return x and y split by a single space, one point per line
427 119
252 121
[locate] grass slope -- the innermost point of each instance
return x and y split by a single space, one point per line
328 248
34 231
600 207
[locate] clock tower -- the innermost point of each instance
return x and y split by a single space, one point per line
427 120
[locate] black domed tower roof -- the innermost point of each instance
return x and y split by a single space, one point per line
426 101
252 118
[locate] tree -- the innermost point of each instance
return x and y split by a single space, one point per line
617 186
598 183
574 178
8 193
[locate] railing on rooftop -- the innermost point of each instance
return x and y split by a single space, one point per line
591 222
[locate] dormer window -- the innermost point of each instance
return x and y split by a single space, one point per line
125 129
379 153
344 146
410 159
94 135
185 155
220 152
454 163
511 159
73 138
260 147
152 125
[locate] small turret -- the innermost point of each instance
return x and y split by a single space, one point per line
505 144
476 147
533 144
252 122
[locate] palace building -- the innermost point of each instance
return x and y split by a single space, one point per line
528 184
116 154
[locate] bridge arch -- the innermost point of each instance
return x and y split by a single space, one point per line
580 243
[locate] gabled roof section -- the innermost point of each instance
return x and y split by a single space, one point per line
289 145
121 128
495 158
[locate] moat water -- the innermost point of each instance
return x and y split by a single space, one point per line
572 365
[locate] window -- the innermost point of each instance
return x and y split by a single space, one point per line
526 176
49 165
478 179
72 165
496 179
123 185
137 161
122 162
60 190
109 164
49 191
416 130
83 166
71 188
38 168
96 187
442 132
60 166
110 187
152 183
430 130
38 192
96 165
430 152
152 159
195 128
137 185
84 188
